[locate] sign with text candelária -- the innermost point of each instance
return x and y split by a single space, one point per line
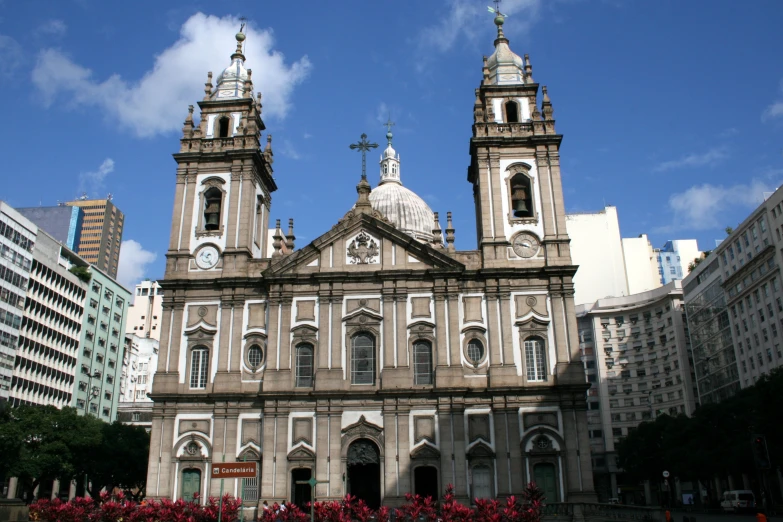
229 470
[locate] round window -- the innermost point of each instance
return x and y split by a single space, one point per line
255 356
475 351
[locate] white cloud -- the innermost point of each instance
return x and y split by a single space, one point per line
157 103
54 28
289 150
703 206
10 55
94 181
307 135
465 18
773 111
133 263
711 157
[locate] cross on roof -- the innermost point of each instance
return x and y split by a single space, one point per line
364 146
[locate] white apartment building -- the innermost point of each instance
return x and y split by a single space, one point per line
641 264
49 335
139 364
17 242
144 315
636 353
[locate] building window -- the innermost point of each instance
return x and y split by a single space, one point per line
198 368
535 359
422 363
223 125
363 359
213 199
255 356
512 112
521 196
304 366
475 351
135 417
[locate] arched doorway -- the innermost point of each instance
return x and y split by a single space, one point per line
300 493
191 483
425 481
364 472
545 478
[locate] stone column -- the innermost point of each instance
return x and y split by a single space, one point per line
322 350
172 360
390 347
455 349
235 364
497 196
493 335
285 335
179 200
403 357
542 167
337 332
225 338
441 353
507 329
272 328
268 464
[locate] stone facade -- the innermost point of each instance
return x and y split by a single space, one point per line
375 362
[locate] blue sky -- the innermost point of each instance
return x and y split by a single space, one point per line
670 110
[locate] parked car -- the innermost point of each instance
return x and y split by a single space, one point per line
738 500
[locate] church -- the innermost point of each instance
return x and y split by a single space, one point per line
377 360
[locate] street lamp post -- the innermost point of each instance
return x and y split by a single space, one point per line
94 391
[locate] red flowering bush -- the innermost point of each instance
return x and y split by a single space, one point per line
118 508
286 512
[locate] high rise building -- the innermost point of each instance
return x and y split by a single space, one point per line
101 233
100 358
734 299
146 312
48 348
64 223
378 359
17 243
675 257
636 353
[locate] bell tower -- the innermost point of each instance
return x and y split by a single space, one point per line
224 178
515 165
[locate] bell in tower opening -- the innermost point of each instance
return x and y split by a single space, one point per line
520 196
212 199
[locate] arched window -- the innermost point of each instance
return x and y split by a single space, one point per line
512 112
363 359
422 362
385 168
213 200
198 368
223 125
475 351
535 359
304 366
521 196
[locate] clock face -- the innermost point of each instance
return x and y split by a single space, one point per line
207 257
525 245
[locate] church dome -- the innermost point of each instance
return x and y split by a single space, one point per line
505 66
231 82
405 209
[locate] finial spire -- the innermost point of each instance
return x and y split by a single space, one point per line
290 237
240 36
364 147
389 124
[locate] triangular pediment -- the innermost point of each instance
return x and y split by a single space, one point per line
359 242
425 451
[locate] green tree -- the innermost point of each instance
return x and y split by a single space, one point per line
118 461
82 272
50 439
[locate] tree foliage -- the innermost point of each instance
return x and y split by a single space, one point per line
82 272
43 443
714 441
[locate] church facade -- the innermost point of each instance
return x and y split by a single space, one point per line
378 359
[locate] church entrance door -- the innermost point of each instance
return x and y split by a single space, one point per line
364 472
300 493
425 479
191 484
544 477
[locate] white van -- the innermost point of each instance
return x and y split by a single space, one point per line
738 500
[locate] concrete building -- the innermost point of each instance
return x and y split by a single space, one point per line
139 363
597 248
63 223
48 343
101 233
17 243
636 353
99 375
377 359
641 265
674 258
709 325
144 315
